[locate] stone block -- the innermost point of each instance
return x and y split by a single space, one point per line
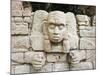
34 56
61 66
19 29
18 19
12 69
87 43
14 63
91 57
56 57
83 20
16 5
81 66
18 50
87 31
16 13
17 57
21 69
37 42
20 42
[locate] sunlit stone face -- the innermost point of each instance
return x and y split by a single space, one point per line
56 26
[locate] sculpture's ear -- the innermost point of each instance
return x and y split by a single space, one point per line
45 27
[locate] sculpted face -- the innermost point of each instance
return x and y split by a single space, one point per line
56 26
77 56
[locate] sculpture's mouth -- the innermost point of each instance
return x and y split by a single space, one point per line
56 37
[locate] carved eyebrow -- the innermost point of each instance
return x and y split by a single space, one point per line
56 24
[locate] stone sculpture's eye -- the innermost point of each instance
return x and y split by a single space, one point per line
61 27
51 26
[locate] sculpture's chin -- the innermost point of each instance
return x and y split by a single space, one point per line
56 40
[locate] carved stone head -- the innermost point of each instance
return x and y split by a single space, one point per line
77 56
55 30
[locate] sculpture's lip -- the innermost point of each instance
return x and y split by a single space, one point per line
56 37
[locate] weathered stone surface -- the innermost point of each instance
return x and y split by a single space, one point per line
20 42
19 29
38 18
27 12
37 59
16 5
87 31
48 67
87 43
18 57
81 66
94 20
12 69
56 57
91 57
18 19
27 19
76 56
16 13
19 50
72 30
37 42
14 63
21 69
61 66
83 20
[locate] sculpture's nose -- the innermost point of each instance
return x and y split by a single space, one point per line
56 31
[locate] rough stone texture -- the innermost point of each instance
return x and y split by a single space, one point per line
81 66
17 57
83 20
72 30
27 11
19 29
76 56
39 17
21 69
61 67
54 57
16 5
87 31
16 13
30 56
18 19
20 42
18 50
27 19
37 42
94 20
87 43
37 59
91 57
46 68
